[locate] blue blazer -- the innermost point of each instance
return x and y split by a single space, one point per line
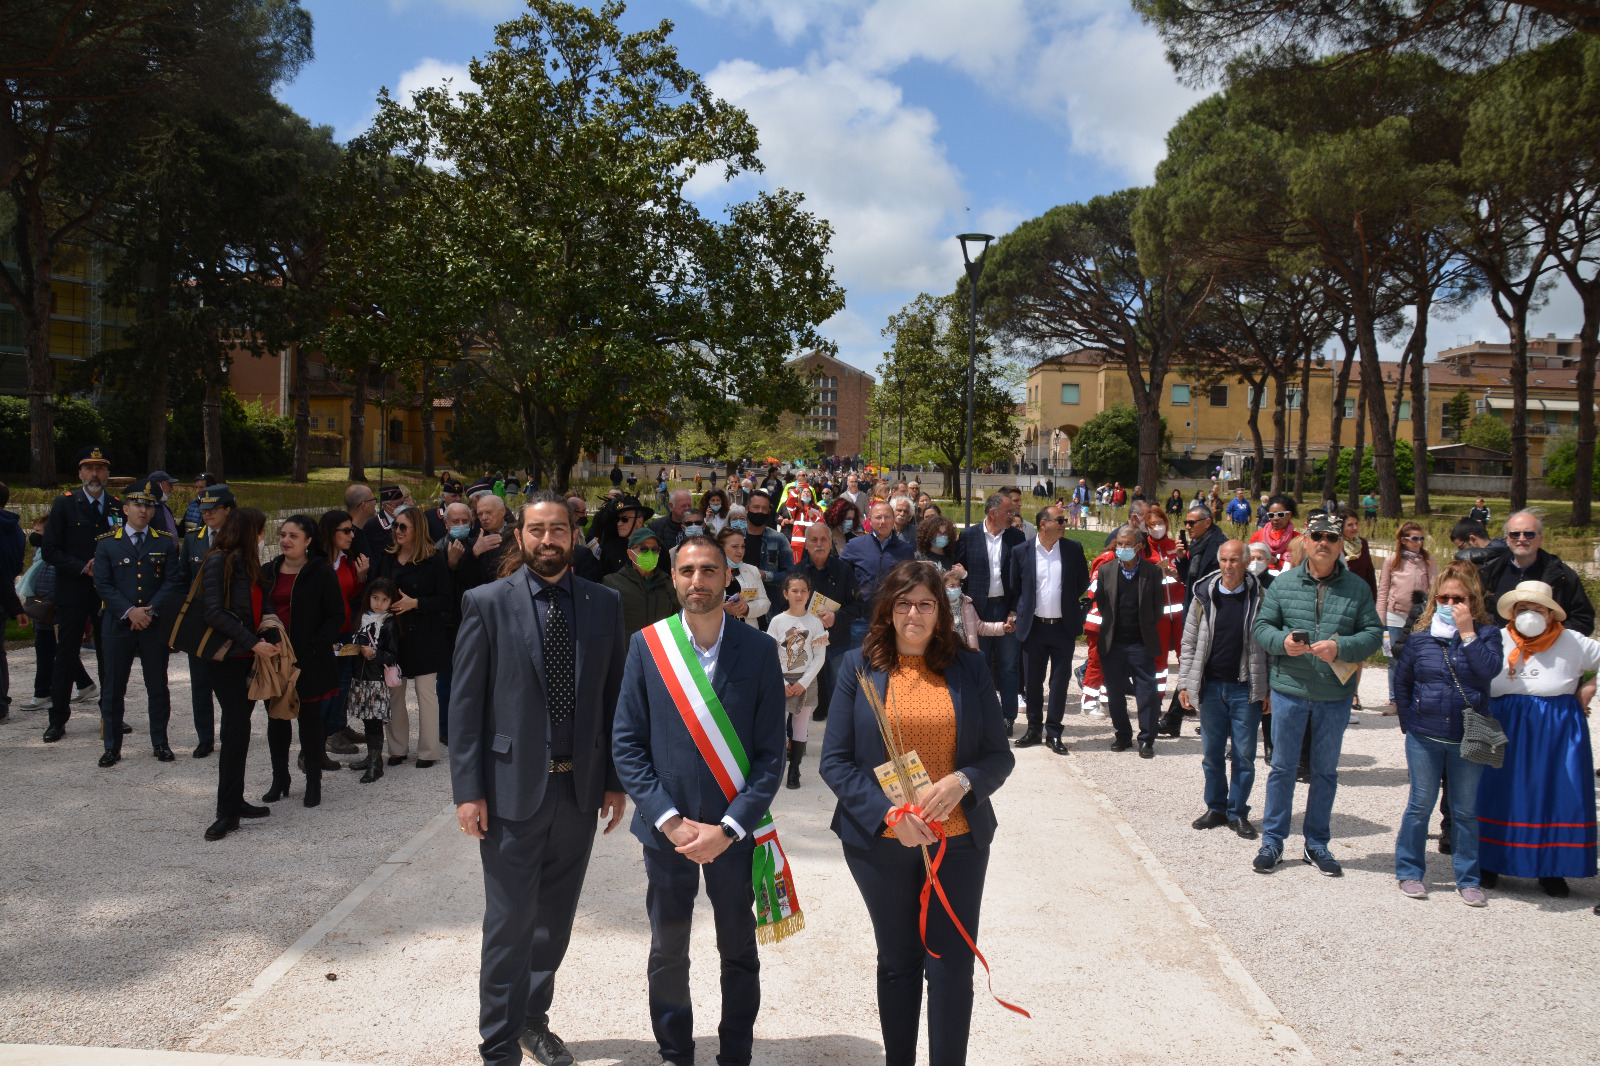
656 758
972 552
1022 575
853 746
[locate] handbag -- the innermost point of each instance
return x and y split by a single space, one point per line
392 676
1482 739
186 629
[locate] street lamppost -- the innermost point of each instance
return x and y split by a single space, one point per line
973 270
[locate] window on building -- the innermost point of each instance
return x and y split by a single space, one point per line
1405 410
314 422
1552 418
333 423
1069 394
1257 395
449 425
397 431
1219 396
1349 408
1180 395
833 383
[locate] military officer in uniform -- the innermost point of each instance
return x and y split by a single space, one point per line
214 503
76 519
379 537
137 573
449 492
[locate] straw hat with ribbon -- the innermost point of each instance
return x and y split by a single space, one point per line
1530 592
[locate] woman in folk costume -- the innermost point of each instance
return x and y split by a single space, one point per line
1279 532
1536 812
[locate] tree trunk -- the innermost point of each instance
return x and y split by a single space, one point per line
1517 324
1399 391
1358 455
155 451
1257 390
302 415
211 417
427 418
1280 432
1330 476
41 388
1305 421
1588 352
1372 385
529 420
358 428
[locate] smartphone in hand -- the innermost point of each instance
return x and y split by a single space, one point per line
1300 636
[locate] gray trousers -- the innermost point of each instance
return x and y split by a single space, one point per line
533 872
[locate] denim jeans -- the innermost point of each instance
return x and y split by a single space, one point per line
1427 759
1226 711
1004 656
1291 718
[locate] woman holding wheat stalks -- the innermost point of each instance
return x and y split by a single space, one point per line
916 718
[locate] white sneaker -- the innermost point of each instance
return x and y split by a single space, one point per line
1095 712
1354 720
36 703
86 694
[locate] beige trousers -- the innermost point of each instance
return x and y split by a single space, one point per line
399 727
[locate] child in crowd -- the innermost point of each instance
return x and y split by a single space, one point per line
802 648
378 638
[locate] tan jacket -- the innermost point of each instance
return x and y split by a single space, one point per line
273 680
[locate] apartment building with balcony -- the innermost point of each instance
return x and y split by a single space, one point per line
841 399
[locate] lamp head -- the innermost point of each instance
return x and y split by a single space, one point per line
982 239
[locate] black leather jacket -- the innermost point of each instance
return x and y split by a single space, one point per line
229 611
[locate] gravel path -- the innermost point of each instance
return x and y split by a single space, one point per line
1362 973
119 924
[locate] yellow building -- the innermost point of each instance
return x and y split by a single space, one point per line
83 322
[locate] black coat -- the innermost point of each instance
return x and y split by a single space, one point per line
1565 587
228 609
837 581
1152 602
316 618
427 632
69 536
1200 560
474 570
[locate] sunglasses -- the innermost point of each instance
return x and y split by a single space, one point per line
1193 521
1325 538
1521 534
345 529
1450 601
1277 514
1415 538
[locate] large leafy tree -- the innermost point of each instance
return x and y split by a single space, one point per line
1077 277
81 86
599 290
928 360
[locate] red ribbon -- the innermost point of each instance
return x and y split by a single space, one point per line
932 885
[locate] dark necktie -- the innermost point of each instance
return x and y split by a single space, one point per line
558 658
138 539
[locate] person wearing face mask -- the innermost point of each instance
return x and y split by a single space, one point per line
1446 667
1131 607
645 586
694 523
613 526
836 579
1403 584
1536 811
843 520
936 539
765 548
716 507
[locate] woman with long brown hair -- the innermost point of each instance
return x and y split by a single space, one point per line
423 608
1403 584
941 702
230 586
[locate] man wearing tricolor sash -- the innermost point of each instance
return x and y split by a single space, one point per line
699 744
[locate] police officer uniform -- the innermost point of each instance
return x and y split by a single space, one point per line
378 527
76 519
438 526
196 543
135 568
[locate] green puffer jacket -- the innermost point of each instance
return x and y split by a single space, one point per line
645 600
1339 607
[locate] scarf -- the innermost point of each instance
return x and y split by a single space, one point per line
1352 548
1526 646
1278 543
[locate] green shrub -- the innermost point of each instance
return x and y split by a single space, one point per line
77 425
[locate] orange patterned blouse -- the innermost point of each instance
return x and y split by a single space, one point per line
918 701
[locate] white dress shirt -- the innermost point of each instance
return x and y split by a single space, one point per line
1047 580
994 544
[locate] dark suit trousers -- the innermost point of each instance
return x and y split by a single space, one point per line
230 681
674 881
1004 656
205 714
890 877
69 621
1047 645
533 871
1125 666
122 643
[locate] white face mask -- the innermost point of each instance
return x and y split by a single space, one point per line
1258 566
1531 623
1158 532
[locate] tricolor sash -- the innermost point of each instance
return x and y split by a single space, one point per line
777 908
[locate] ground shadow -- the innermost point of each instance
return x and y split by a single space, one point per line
835 1049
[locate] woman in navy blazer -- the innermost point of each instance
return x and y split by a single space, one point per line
950 697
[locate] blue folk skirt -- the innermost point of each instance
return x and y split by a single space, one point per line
1536 814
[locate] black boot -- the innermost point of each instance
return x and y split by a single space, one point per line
797 751
374 763
279 734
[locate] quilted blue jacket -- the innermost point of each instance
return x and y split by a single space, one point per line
1423 691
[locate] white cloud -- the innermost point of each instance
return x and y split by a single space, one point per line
432 74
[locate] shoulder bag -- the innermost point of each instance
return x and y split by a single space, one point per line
1482 739
186 629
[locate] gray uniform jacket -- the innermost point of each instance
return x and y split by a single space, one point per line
1197 633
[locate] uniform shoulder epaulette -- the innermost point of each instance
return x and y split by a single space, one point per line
107 533
66 492
159 533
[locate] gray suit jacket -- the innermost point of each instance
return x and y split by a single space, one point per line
499 724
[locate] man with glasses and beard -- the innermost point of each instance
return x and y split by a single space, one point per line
537 670
1528 561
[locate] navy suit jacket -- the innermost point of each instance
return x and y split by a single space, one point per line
972 552
853 746
1022 575
656 758
499 724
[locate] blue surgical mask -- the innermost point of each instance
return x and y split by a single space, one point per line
1445 616
1125 555
740 524
460 532
715 506
693 531
941 541
847 524
953 594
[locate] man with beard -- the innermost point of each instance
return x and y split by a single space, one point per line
76 519
530 772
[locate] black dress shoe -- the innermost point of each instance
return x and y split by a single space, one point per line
1121 745
164 754
1555 886
423 764
396 760
280 788
1055 744
250 810
110 758
545 1047
221 828
1210 820
1011 726
1147 750
204 748
54 733
1030 738
819 715
1243 827
126 728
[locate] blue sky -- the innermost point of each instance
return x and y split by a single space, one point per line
903 121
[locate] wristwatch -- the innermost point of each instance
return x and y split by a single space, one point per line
728 831
966 786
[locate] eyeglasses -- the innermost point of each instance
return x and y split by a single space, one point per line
1324 538
1450 601
922 607
1277 514
345 529
1521 534
1193 521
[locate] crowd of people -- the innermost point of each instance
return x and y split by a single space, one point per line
678 654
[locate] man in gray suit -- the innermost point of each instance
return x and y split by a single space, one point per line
537 670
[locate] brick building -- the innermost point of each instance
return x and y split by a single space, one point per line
841 399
